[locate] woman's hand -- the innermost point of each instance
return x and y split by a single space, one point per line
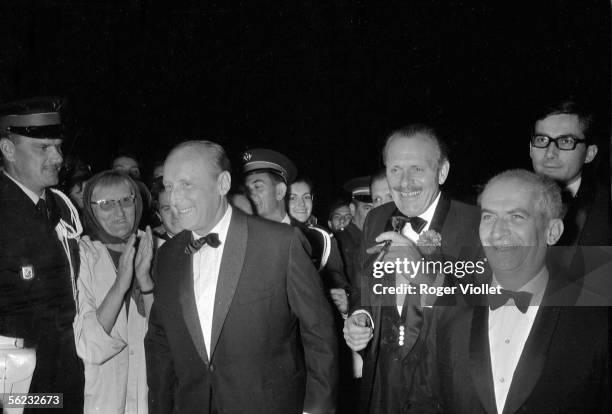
125 272
144 256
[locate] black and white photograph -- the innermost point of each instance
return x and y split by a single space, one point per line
321 207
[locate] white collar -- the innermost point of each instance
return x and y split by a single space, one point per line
221 228
574 186
429 213
31 194
286 219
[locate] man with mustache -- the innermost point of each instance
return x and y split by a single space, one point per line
390 330
38 256
563 148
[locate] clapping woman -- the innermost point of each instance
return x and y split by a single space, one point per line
114 296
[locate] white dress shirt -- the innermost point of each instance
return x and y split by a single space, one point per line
206 264
509 329
574 186
408 232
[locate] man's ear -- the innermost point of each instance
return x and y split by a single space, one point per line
281 191
554 231
224 182
353 208
591 152
8 149
443 172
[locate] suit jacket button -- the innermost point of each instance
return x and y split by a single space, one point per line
211 368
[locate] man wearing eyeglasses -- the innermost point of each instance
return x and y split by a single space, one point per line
563 148
38 257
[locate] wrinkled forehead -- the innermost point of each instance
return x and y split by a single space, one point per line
508 195
413 148
182 165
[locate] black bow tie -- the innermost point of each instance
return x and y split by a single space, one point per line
212 239
521 299
417 223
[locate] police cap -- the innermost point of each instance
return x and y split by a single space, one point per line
359 187
33 118
266 160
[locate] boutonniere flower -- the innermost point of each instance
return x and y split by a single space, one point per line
428 242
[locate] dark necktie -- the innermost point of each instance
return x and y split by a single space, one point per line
521 299
417 223
41 206
212 239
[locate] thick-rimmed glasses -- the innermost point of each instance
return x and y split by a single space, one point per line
563 142
108 205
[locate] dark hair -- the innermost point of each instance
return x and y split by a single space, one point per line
336 204
306 180
414 129
379 175
569 107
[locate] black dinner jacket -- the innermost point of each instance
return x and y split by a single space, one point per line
563 367
273 342
457 223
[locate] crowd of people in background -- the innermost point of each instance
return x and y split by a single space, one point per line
199 291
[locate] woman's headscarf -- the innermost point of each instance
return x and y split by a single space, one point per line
108 178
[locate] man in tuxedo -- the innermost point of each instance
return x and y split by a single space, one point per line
240 322
564 148
526 352
390 330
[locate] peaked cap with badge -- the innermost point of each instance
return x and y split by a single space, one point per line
267 160
359 188
33 118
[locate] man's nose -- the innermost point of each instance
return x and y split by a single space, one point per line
552 151
499 228
55 153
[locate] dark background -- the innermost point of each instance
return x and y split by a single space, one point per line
324 82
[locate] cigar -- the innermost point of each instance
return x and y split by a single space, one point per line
383 251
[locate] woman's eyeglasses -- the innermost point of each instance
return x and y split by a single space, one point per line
108 205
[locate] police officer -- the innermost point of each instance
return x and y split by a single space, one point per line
38 256
268 175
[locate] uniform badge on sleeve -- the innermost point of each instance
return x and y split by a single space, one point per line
27 272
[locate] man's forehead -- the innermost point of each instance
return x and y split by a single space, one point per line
418 146
559 124
258 176
341 210
508 195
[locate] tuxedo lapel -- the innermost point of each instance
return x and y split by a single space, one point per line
187 295
439 217
480 358
412 315
533 358
234 253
